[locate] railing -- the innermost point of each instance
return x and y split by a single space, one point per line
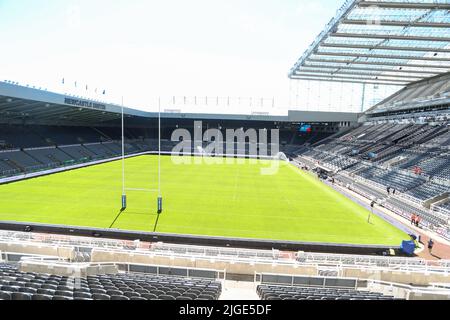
396 290
374 261
404 291
197 251
305 281
8 173
59 240
228 255
15 257
160 270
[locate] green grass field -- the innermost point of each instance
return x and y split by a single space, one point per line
230 200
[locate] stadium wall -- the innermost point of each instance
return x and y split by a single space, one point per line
196 240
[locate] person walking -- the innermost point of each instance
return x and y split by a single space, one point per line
430 246
413 219
418 220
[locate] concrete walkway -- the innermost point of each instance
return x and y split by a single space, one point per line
441 248
236 291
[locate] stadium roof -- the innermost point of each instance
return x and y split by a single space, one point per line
24 105
394 42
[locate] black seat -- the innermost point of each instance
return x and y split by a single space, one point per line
138 298
77 295
28 290
141 291
149 296
61 298
49 286
174 294
10 288
5 295
130 294
166 297
41 297
34 285
21 296
114 292
119 298
46 291
82 289
98 291
64 293
193 296
100 296
64 288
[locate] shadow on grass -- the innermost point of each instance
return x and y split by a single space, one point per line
156 223
123 210
117 217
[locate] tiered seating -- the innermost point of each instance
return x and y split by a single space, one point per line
428 191
441 140
114 147
20 137
413 159
428 216
445 206
78 152
392 179
19 160
439 168
49 155
271 292
100 150
15 285
6 169
67 135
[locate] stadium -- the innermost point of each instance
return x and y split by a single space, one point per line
104 201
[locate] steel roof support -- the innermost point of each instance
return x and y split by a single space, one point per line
355 78
324 66
331 74
380 56
348 81
381 63
373 47
387 36
397 23
404 5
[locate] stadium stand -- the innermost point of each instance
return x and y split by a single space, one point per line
16 285
411 159
270 292
329 276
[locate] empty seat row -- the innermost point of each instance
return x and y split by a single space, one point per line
16 285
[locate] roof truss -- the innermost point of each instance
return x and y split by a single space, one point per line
405 40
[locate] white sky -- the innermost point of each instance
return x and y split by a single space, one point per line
143 49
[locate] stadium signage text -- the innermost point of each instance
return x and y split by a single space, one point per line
84 103
219 151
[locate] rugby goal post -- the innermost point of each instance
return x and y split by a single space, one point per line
124 188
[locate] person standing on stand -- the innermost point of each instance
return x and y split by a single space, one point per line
413 219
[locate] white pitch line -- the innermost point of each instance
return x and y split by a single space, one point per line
142 190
